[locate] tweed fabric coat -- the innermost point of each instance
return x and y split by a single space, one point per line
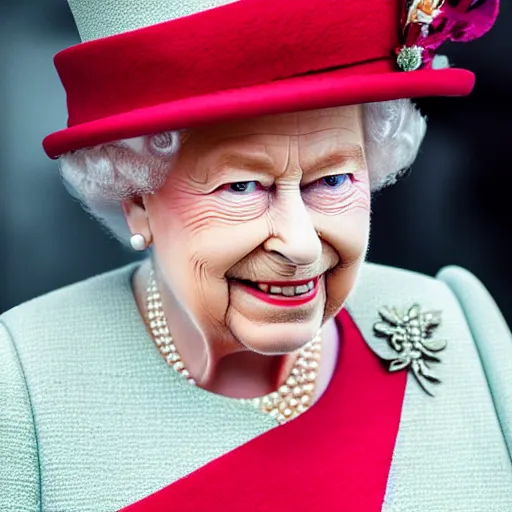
91 418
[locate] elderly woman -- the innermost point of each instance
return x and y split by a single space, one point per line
254 361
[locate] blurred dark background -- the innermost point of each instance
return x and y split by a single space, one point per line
454 208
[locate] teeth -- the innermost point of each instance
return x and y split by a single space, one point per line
287 291
302 289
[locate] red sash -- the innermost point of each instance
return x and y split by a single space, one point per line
334 457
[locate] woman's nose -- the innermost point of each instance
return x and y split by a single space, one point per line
293 233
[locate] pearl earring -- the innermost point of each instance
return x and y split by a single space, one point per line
319 234
138 242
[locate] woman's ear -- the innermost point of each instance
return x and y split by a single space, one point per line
137 217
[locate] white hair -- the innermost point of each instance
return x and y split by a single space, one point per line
103 176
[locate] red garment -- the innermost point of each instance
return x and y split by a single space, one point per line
334 457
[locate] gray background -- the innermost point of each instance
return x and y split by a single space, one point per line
454 208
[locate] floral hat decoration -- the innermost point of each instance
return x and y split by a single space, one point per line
147 66
429 23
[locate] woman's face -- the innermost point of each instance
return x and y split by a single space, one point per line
235 227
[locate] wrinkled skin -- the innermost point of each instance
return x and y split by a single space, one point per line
246 200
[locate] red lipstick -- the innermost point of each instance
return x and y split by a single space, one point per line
281 300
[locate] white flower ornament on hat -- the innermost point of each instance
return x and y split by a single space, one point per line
424 11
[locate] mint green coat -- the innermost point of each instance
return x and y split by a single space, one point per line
93 419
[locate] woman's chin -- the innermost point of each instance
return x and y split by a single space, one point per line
272 324
274 338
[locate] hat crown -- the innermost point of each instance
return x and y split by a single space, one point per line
102 18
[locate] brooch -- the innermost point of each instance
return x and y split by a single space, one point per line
409 336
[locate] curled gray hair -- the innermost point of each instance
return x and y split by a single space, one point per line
103 176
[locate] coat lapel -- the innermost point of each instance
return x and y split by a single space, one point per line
335 456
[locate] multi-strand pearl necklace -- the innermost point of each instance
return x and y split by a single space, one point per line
287 402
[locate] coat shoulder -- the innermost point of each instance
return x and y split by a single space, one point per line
492 337
73 301
32 335
472 323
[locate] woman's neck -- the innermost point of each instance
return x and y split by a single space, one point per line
223 368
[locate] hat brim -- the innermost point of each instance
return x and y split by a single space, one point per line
315 91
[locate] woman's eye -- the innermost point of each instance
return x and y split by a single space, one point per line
335 180
241 187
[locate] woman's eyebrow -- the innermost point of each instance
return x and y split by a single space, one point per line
347 154
244 161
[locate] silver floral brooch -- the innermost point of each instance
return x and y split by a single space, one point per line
409 336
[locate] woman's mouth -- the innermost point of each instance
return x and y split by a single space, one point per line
281 293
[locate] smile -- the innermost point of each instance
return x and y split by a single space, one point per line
281 293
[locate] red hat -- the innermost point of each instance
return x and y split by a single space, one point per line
174 65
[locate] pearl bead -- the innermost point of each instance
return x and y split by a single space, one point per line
138 242
291 382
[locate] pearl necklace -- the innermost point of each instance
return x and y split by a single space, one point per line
291 399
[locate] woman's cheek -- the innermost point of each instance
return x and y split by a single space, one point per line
205 225
343 218
351 195
219 209
352 236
